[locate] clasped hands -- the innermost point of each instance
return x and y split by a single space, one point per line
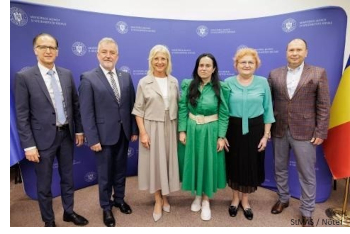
222 143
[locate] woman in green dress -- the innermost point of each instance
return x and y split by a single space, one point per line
203 121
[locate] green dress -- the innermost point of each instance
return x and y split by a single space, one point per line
202 168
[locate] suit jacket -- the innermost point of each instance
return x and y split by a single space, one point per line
102 117
307 112
149 100
36 116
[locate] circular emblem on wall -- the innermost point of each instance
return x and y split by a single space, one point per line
125 69
202 31
122 27
90 176
131 152
79 48
289 25
18 16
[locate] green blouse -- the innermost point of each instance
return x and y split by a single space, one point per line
207 104
250 101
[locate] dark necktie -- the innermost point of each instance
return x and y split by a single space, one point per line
114 87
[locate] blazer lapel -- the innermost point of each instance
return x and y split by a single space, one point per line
42 85
171 84
283 82
303 79
63 84
155 86
105 82
121 85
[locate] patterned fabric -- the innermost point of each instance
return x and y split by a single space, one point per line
306 114
114 87
61 116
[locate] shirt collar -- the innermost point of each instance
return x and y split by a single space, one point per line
301 67
43 70
106 71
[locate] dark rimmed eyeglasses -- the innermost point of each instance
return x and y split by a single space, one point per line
43 47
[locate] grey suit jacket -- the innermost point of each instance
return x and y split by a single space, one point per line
307 112
149 102
36 117
102 117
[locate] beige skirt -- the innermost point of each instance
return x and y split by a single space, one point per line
158 167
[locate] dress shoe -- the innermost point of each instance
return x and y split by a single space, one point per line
278 207
75 218
166 208
108 218
196 204
307 221
158 207
124 207
248 212
157 217
50 224
232 210
206 212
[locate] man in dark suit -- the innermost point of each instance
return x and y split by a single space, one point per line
107 98
301 106
48 119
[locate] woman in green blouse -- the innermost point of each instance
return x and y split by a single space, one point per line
250 121
203 120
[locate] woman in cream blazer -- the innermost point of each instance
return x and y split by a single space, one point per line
156 109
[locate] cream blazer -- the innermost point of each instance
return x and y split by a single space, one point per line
149 103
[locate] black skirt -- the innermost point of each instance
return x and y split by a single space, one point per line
244 164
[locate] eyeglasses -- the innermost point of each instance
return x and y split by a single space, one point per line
249 63
44 48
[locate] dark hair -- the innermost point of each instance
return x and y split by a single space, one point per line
44 34
193 93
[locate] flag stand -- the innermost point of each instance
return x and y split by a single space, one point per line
341 215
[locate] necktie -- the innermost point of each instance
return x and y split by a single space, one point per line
61 116
114 87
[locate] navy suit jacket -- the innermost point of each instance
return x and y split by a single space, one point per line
36 116
102 117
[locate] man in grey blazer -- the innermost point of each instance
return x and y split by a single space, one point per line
301 106
48 120
107 98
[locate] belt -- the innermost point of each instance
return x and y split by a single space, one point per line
201 119
62 128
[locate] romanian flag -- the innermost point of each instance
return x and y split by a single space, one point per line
337 145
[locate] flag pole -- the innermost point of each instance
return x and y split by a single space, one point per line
341 215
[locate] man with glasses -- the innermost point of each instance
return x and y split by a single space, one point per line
48 121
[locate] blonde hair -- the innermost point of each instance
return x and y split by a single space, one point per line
152 54
246 51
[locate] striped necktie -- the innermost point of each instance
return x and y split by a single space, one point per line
114 87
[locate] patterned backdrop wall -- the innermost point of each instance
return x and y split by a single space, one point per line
78 33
